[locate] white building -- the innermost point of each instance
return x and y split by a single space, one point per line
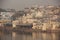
6 15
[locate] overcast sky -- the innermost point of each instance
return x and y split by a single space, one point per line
20 4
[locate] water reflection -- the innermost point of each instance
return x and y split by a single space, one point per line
44 36
29 36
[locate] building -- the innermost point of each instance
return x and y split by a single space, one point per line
6 17
44 18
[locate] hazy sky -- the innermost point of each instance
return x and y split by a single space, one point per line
20 4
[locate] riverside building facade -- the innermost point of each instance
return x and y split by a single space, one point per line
44 18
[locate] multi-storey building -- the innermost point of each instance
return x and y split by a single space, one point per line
44 18
6 17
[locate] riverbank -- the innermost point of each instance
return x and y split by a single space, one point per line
10 29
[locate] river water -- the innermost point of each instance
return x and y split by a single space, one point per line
29 36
